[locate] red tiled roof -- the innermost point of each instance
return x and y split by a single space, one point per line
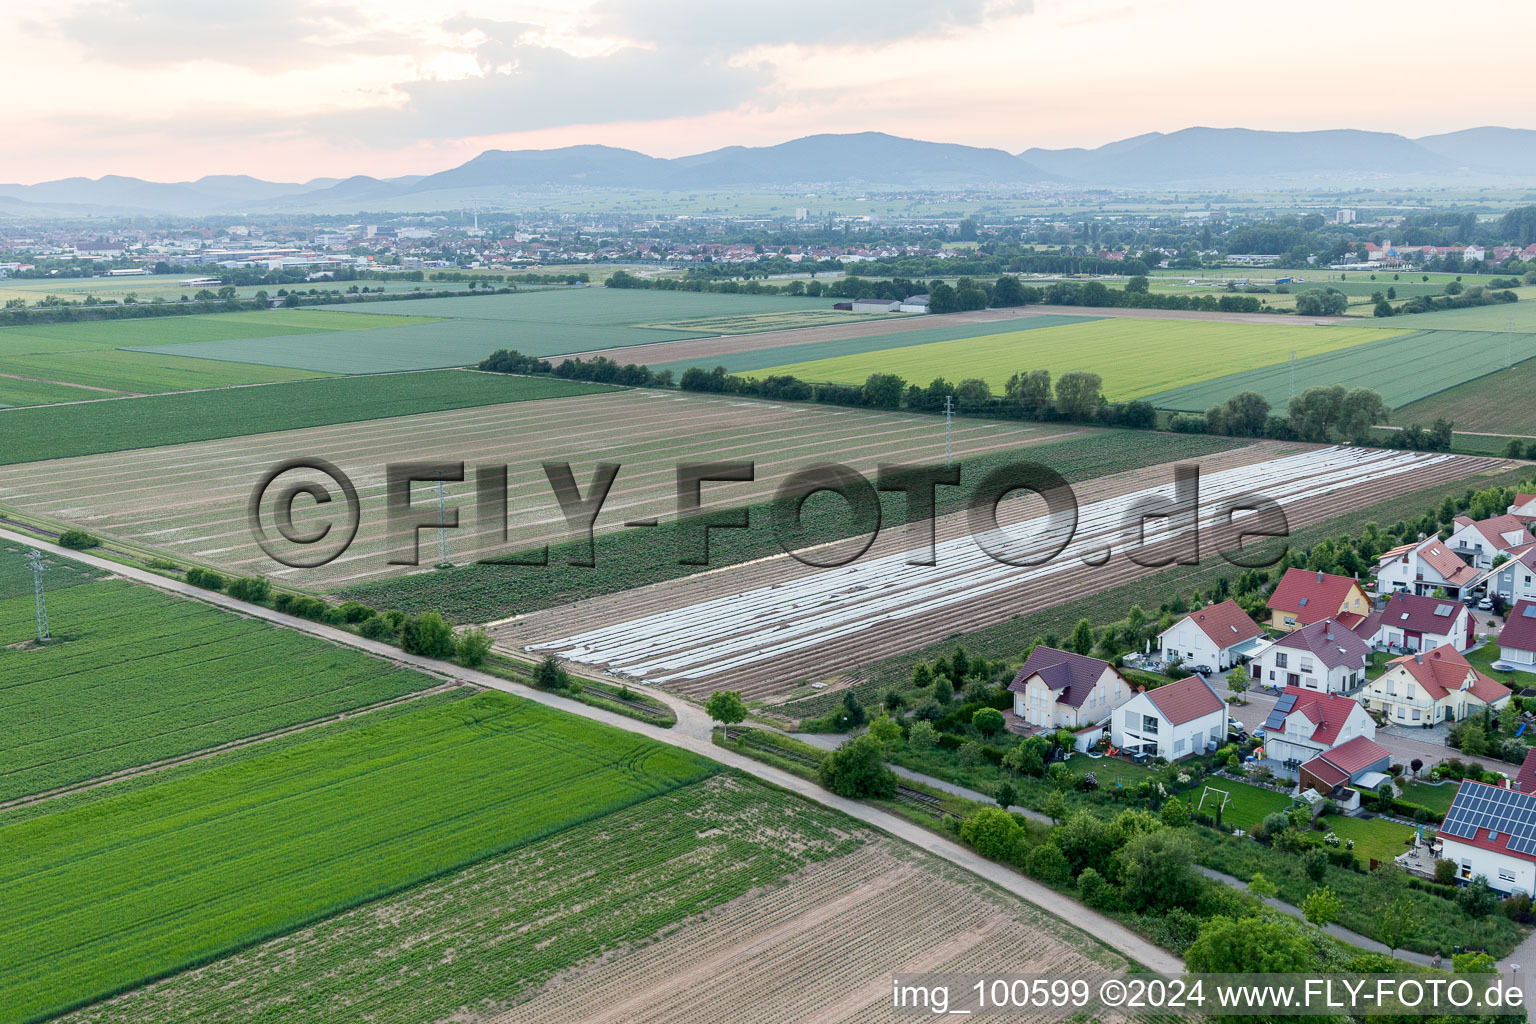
1226 624
1351 621
1328 711
1444 670
1493 528
1356 755
1519 630
1185 700
1311 595
1325 773
1526 777
1441 559
1070 676
1333 645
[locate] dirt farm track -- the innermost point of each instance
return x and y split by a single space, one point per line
765 626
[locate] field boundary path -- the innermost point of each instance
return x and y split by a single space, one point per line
691 733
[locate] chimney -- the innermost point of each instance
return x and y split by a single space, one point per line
1419 658
1319 575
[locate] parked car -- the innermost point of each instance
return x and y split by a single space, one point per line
1204 670
1485 605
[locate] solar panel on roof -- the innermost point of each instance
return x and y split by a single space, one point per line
1286 702
1444 609
1275 720
1497 810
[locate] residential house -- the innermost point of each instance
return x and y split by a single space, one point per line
1303 597
1517 641
1061 690
1172 721
1217 637
1424 568
1432 686
1514 579
1412 623
1490 832
1325 657
1524 506
1478 542
1361 763
1305 724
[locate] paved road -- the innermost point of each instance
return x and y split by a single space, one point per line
692 733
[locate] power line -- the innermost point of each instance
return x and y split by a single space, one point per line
442 527
949 430
35 563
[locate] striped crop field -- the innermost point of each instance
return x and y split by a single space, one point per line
1135 357
1402 368
137 676
107 894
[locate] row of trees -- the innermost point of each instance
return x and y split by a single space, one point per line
1318 414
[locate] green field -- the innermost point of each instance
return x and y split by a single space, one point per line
1403 369
1135 357
87 354
108 894
62 431
502 928
749 323
1498 403
1517 316
16 576
542 323
1246 805
740 362
137 676
1375 838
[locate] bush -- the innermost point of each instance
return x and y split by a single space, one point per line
548 674
857 769
472 646
1046 863
1096 892
988 721
993 833
1315 864
428 635
1445 872
205 579
354 612
376 627
253 589
77 540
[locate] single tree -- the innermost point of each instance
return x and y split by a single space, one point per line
1321 906
726 707
1007 796
1238 679
472 646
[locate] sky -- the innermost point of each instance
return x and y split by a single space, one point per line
290 90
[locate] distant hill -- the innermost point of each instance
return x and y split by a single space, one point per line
1505 151
1193 157
1239 156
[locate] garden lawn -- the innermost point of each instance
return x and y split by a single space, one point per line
1375 838
1135 357
92 428
1246 805
107 895
137 676
1436 798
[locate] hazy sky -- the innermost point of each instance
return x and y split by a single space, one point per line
295 89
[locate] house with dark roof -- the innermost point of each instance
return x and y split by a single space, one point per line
1490 832
1424 568
1360 763
1517 640
1479 541
1061 690
1303 597
1173 721
1514 580
1324 656
1408 622
1432 686
1306 724
1218 637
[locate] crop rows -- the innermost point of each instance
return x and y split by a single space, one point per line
820 947
488 934
16 576
1135 358
138 676
1402 369
106 895
748 323
122 424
